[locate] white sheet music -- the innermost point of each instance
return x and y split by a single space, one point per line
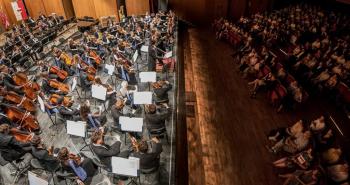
131 124
110 69
168 54
142 98
148 76
127 167
134 57
98 92
76 128
74 84
144 48
35 180
41 103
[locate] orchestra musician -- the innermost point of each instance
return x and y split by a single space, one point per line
82 166
155 119
44 156
8 82
105 152
149 157
11 149
160 91
95 120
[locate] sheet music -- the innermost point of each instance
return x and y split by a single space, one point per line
127 167
131 124
74 84
110 69
98 92
168 54
144 49
76 128
142 98
148 76
134 57
41 103
35 180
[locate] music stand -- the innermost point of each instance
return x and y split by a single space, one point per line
148 77
145 53
78 128
129 124
127 167
99 93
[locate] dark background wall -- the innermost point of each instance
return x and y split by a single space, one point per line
205 11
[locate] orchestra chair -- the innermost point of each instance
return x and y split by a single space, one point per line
147 173
159 133
55 116
36 165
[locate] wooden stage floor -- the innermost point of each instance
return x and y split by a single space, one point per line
226 141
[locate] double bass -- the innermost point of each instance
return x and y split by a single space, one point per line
24 119
58 85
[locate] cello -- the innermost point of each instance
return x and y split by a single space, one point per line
21 136
21 101
24 119
60 86
29 88
95 56
62 74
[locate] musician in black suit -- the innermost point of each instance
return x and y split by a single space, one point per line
149 158
156 119
39 151
105 152
10 148
160 90
9 83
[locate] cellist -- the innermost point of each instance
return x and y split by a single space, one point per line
8 82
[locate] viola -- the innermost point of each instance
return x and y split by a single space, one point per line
21 101
21 136
62 74
58 85
24 119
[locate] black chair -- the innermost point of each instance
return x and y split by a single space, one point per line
159 133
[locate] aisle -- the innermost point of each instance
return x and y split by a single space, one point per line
232 126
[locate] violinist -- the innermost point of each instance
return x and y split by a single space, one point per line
44 155
155 119
149 158
120 109
110 91
11 149
95 120
105 152
82 166
160 91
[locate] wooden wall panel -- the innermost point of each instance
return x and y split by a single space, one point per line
54 6
105 7
35 8
137 7
84 8
68 8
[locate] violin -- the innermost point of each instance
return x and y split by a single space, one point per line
75 158
29 88
95 56
58 85
24 119
21 136
62 74
21 101
86 67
